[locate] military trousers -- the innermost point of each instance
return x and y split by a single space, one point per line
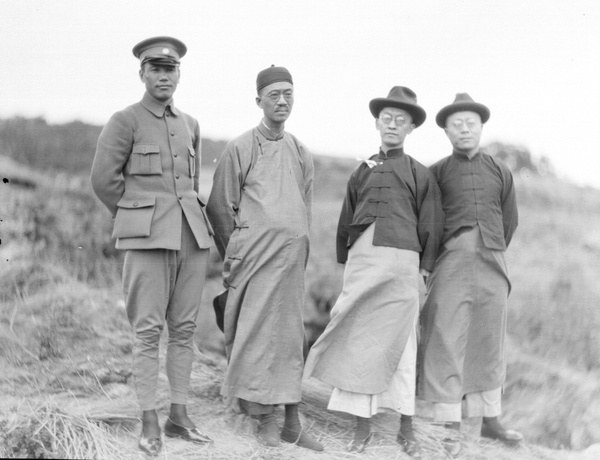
164 286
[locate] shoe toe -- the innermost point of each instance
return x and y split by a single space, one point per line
452 446
359 446
151 446
187 434
301 439
411 447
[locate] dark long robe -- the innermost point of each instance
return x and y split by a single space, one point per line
464 316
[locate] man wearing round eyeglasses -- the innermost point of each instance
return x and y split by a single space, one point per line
260 208
464 316
389 231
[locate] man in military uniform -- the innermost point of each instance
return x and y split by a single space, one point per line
146 172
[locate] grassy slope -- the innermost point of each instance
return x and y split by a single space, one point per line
65 345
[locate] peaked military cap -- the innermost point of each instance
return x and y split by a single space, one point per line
160 50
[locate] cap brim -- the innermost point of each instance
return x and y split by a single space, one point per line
160 60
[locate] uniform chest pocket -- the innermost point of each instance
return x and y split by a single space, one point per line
145 159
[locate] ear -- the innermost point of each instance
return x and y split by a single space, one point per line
258 100
178 74
141 73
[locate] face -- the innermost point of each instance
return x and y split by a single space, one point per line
464 131
276 101
393 135
161 80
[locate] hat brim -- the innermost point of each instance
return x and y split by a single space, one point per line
417 112
476 107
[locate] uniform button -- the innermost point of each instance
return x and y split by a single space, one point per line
135 205
175 155
179 196
172 133
167 115
176 176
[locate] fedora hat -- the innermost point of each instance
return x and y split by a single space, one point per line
462 102
402 98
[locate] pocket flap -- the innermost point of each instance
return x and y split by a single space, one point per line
129 202
144 149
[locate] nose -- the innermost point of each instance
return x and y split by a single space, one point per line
281 100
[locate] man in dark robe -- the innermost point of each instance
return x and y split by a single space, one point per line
464 317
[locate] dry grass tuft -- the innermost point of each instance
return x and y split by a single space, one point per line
45 431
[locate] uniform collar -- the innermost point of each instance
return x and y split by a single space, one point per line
392 153
268 133
158 108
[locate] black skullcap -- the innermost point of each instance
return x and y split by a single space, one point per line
272 75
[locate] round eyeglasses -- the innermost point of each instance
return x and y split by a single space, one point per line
386 119
470 123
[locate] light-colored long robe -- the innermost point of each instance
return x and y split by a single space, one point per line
260 209
371 321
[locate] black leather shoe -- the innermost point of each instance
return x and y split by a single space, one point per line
173 430
358 446
411 447
497 432
150 446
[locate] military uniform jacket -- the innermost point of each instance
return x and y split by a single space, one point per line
146 172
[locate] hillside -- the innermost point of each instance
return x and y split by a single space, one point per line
65 345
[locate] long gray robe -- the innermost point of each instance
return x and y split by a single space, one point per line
260 209
464 321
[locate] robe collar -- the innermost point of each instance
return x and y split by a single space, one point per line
392 153
463 156
268 133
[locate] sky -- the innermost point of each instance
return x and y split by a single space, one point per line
534 63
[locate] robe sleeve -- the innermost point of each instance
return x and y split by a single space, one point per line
346 217
308 171
510 214
223 203
430 225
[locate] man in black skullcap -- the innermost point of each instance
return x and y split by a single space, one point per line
146 172
464 316
260 207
